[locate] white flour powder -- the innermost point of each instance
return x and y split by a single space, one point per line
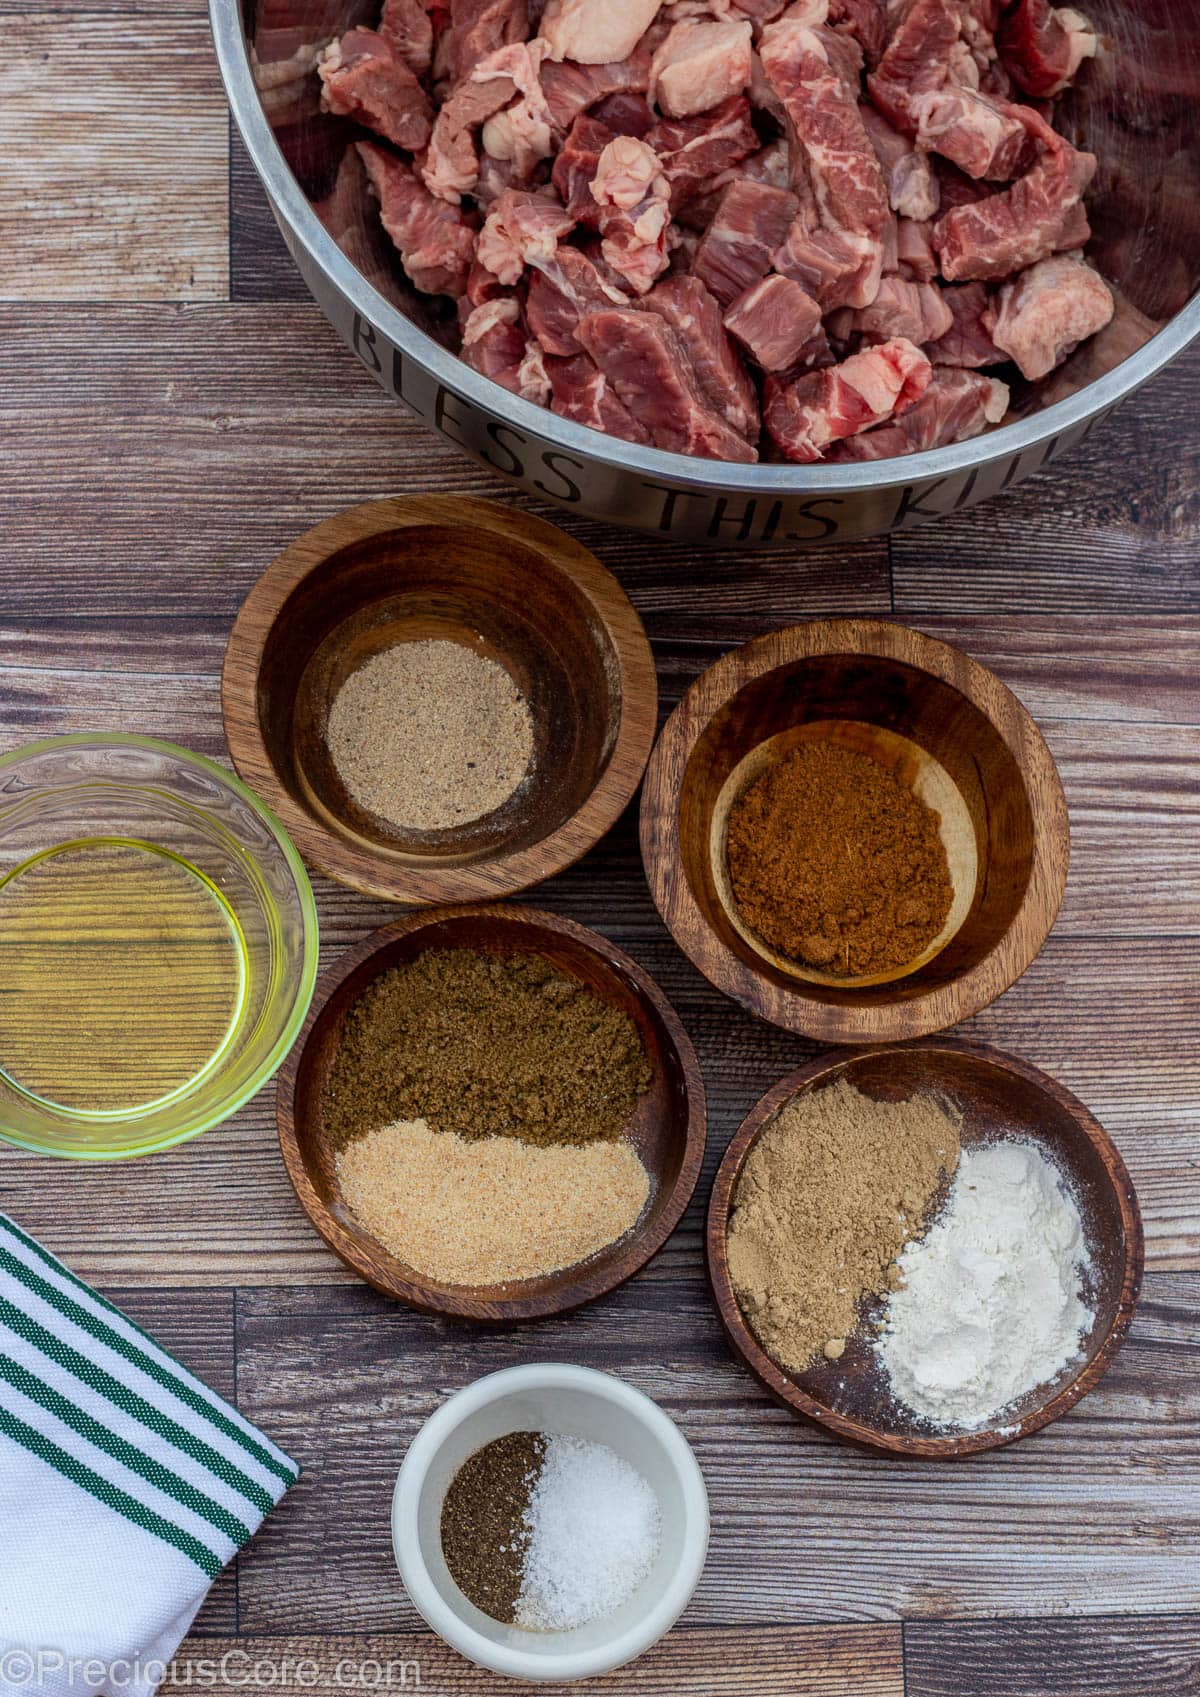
991 1301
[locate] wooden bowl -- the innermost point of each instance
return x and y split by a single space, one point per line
998 1096
951 730
667 1128
504 584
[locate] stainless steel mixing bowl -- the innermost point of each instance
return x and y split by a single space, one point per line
1136 108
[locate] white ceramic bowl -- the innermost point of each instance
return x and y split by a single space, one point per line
577 1401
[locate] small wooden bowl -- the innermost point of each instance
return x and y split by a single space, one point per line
951 730
998 1096
508 586
667 1129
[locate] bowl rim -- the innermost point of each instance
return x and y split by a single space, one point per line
590 1282
956 1445
406 1544
491 876
705 477
794 1009
310 934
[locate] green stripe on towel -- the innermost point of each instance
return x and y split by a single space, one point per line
98 1327
110 1495
93 1375
136 1460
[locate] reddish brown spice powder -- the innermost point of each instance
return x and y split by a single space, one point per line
837 864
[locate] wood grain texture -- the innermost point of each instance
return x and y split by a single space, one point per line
794 1661
804 1529
667 1129
994 762
126 193
260 266
996 1096
1054 1658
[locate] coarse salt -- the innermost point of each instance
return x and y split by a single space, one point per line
594 1534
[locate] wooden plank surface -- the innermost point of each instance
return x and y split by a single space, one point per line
174 410
114 134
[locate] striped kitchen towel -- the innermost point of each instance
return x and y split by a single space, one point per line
125 1487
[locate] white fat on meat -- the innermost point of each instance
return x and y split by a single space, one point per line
635 200
596 32
522 132
521 229
1041 316
699 65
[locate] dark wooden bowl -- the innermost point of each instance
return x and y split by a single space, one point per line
947 726
667 1129
999 1096
505 584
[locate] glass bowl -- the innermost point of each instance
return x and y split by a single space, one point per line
158 945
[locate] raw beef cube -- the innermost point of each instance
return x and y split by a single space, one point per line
450 168
1042 315
698 65
576 165
956 406
1043 46
562 290
435 242
967 342
580 391
805 416
407 25
774 320
915 311
521 229
634 198
695 316
693 150
596 32
983 137
571 89
648 366
916 60
1011 230
364 78
750 223
837 269
494 343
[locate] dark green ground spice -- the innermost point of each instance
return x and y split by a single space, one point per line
483 1521
485 1046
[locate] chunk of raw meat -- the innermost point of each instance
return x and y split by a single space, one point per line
1042 316
364 78
435 242
967 342
596 32
580 391
808 414
686 305
562 290
575 166
494 343
982 136
911 185
1013 229
648 366
450 168
571 89
836 268
521 133
634 198
916 60
693 150
915 257
774 320
699 65
915 311
750 223
1042 46
409 28
956 406
865 20
477 28
521 229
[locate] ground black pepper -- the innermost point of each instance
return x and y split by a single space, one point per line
485 1046
483 1521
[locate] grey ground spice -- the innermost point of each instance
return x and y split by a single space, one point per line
486 1046
483 1521
429 734
830 1193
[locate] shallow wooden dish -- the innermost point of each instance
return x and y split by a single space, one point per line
667 1130
509 586
951 729
998 1096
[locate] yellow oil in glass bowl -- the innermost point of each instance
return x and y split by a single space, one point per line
157 945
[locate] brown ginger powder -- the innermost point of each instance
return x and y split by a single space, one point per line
836 863
485 1046
829 1195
